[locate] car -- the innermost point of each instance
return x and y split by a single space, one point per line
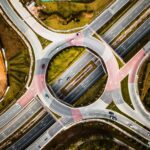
68 78
78 34
148 134
46 95
43 66
59 81
111 113
113 117
129 124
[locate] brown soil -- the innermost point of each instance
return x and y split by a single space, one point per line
3 77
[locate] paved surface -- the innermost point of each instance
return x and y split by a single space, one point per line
39 87
134 38
23 117
121 24
122 50
72 72
135 98
125 20
34 133
52 131
52 36
105 16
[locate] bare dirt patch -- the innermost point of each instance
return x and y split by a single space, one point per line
3 76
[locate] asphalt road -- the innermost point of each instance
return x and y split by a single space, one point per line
34 133
104 17
121 50
23 117
108 37
104 114
133 76
124 47
34 42
53 36
53 104
125 20
71 72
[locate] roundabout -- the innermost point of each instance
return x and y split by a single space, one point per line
101 49
134 120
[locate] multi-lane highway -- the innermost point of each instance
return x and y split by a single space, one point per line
34 133
72 74
39 87
20 120
134 38
105 16
125 20
53 130
122 50
131 125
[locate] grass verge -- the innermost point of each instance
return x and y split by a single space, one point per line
44 42
62 61
18 63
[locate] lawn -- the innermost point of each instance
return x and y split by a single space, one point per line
146 88
91 136
44 42
68 15
144 83
65 59
125 91
18 60
62 61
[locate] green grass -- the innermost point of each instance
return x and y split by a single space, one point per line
69 15
62 61
44 42
125 91
91 136
120 61
17 77
146 100
18 60
144 83
80 1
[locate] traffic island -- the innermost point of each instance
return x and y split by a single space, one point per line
77 76
144 83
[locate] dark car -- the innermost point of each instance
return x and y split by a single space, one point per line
113 118
111 113
46 95
43 66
